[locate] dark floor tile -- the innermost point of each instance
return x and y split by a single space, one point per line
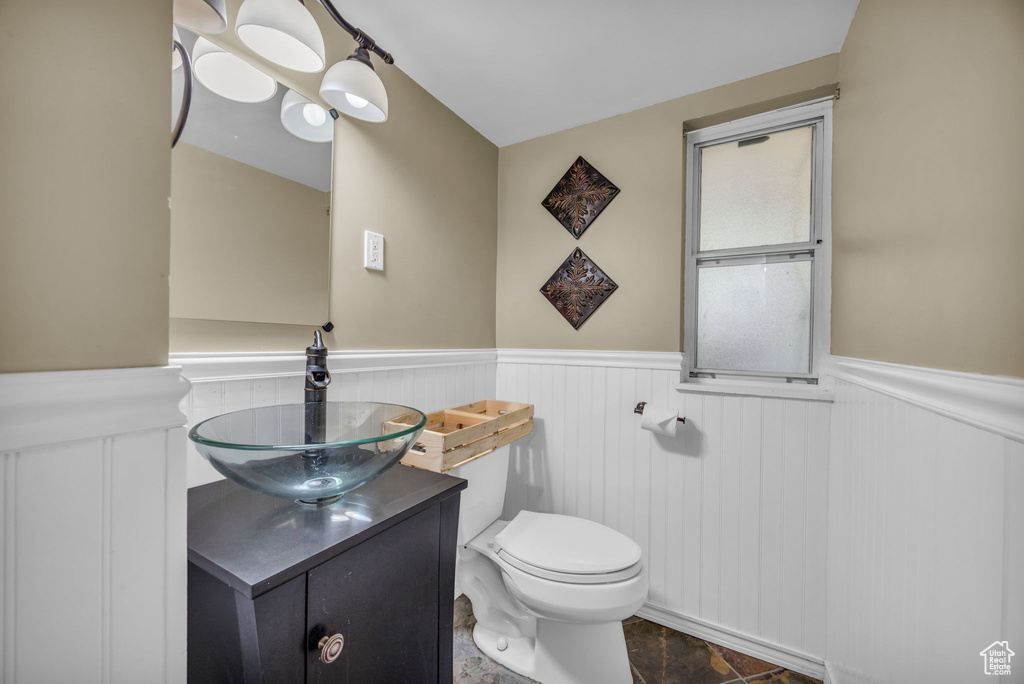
464 618
781 676
665 656
744 665
482 670
637 679
463 646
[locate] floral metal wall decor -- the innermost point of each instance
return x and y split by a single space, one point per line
579 197
577 288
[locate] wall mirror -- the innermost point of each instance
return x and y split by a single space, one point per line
250 202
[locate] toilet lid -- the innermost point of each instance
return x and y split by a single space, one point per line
564 544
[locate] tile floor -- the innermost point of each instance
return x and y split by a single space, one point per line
658 655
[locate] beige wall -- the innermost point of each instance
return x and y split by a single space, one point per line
428 182
638 239
246 244
928 208
84 180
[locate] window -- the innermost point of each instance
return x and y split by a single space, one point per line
757 266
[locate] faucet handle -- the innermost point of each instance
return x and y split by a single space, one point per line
317 348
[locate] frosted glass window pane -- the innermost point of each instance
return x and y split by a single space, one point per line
757 194
755 317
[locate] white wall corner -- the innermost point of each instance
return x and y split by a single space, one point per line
54 407
989 402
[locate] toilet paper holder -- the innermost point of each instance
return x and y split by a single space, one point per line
640 409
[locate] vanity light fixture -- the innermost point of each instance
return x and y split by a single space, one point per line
229 75
306 119
283 32
207 16
354 88
180 58
175 55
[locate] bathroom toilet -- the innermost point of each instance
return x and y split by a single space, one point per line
549 592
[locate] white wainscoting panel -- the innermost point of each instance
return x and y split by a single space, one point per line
731 514
429 380
92 534
926 525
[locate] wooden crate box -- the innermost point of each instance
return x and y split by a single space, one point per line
507 413
456 436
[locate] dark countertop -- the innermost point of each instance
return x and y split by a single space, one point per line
253 542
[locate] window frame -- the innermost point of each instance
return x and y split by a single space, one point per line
819 114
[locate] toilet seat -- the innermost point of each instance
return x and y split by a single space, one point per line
567 549
571 577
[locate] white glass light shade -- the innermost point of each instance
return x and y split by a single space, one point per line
295 120
314 114
207 16
347 84
175 55
282 31
230 76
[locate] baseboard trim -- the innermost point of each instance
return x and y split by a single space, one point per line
54 407
670 361
777 654
232 366
989 402
829 677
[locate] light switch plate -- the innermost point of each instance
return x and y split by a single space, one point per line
373 253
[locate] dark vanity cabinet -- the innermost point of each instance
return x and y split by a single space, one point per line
360 591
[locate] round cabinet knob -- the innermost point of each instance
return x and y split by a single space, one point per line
330 648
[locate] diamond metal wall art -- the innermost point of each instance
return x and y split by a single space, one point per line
579 197
577 288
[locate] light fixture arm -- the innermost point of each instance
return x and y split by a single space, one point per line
186 93
360 37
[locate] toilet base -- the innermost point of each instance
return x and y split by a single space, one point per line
562 653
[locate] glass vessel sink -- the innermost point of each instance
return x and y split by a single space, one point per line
313 453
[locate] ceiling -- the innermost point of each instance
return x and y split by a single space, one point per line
519 70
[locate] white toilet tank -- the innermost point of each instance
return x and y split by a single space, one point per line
484 498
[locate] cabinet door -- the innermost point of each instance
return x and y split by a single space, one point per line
382 598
